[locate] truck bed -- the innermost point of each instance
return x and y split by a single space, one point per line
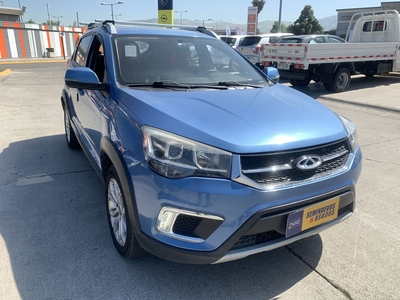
302 55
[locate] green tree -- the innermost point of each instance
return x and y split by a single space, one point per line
30 21
306 23
275 27
51 23
259 4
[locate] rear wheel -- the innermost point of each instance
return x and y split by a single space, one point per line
118 219
300 82
341 80
70 136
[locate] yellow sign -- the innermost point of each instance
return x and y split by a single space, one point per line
320 213
166 16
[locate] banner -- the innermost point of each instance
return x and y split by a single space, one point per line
228 30
165 12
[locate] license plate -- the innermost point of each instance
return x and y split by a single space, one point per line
284 66
312 216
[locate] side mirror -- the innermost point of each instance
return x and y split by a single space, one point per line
83 78
272 73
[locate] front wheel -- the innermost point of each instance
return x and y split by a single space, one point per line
299 82
118 219
341 80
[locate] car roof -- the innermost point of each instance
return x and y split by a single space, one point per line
128 28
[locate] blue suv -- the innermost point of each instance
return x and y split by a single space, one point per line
205 159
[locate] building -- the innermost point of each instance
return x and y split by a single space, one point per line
11 14
344 15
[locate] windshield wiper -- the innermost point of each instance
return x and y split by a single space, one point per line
236 83
160 84
173 84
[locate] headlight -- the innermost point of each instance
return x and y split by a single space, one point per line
174 156
351 129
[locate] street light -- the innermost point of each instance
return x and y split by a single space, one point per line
181 12
112 7
203 21
116 17
280 17
58 19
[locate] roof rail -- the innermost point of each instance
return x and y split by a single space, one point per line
109 25
205 30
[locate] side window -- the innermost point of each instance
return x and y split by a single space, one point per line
97 62
320 40
82 50
334 40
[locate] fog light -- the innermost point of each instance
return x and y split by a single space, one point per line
166 221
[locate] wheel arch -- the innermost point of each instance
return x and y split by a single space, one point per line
110 156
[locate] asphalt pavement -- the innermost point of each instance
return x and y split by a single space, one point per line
55 242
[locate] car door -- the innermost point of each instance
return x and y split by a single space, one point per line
91 102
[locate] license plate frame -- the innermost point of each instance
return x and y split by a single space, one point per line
312 216
284 65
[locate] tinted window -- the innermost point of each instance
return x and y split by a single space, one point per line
82 50
375 26
250 40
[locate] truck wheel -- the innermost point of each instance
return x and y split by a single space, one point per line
70 136
118 219
299 82
341 80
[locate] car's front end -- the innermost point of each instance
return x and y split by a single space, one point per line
226 190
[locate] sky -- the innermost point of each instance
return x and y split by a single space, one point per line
232 11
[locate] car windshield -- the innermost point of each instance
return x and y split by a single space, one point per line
181 61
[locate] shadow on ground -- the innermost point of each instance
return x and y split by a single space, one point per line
53 223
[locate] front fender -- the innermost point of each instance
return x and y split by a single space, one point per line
111 156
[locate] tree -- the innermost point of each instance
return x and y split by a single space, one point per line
275 27
306 23
259 4
30 21
52 23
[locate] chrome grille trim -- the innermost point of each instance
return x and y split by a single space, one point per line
336 158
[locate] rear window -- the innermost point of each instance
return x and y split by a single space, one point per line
290 41
250 40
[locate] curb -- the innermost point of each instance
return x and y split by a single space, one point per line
5 72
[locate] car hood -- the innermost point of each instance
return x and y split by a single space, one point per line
251 120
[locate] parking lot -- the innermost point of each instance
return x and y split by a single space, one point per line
55 242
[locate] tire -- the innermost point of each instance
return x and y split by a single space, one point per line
70 136
300 83
341 80
118 219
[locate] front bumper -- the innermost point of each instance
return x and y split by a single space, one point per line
254 221
262 223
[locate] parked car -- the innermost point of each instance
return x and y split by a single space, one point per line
203 164
232 40
250 46
311 39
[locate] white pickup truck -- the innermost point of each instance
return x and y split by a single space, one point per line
373 47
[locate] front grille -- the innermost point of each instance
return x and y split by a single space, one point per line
278 168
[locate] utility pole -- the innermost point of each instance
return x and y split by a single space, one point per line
48 14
